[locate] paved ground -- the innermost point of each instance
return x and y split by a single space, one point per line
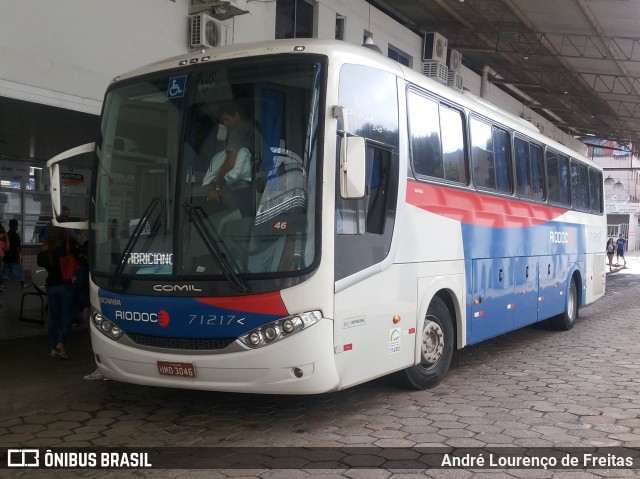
530 388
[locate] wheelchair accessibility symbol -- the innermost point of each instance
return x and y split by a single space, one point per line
176 87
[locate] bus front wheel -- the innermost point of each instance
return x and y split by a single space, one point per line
436 349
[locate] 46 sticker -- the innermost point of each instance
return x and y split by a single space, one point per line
280 225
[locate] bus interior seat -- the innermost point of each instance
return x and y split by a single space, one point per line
285 187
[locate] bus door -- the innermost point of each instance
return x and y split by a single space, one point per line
525 299
370 292
493 299
365 310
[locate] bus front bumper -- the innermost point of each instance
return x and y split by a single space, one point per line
301 364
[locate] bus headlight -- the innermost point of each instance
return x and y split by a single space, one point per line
106 327
270 333
279 329
288 325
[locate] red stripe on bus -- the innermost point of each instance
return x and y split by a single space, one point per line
483 210
267 303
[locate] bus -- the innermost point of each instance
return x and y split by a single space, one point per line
375 222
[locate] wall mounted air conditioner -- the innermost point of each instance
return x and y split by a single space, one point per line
436 70
434 47
454 61
455 81
206 32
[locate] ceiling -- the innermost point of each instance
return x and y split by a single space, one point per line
33 132
575 62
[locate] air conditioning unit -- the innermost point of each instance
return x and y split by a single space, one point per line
454 61
434 48
206 32
435 70
454 80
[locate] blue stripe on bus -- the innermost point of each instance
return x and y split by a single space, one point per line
178 317
518 276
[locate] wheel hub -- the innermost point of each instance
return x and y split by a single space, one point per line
571 302
432 343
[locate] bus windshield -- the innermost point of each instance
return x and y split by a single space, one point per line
210 171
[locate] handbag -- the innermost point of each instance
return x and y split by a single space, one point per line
69 264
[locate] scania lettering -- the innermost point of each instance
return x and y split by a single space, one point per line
113 301
316 262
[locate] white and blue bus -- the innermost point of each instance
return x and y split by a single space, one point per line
387 220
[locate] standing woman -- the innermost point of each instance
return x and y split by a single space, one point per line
60 293
12 263
611 249
4 243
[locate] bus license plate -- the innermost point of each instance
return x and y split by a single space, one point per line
170 368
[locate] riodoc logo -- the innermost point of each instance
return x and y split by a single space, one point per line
559 237
161 317
137 316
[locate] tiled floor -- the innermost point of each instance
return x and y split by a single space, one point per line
532 388
10 301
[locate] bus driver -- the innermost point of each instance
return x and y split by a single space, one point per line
230 171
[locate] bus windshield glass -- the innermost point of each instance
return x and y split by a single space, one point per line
210 171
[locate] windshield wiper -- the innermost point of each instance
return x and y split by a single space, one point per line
197 216
133 239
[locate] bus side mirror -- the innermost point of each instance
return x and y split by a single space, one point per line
352 168
352 160
56 185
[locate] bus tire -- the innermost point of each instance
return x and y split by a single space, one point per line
566 320
436 349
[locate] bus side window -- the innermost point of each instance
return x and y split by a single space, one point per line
565 192
595 188
437 140
490 156
523 179
579 186
529 173
537 172
451 127
378 172
425 136
553 178
482 159
502 154
558 178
